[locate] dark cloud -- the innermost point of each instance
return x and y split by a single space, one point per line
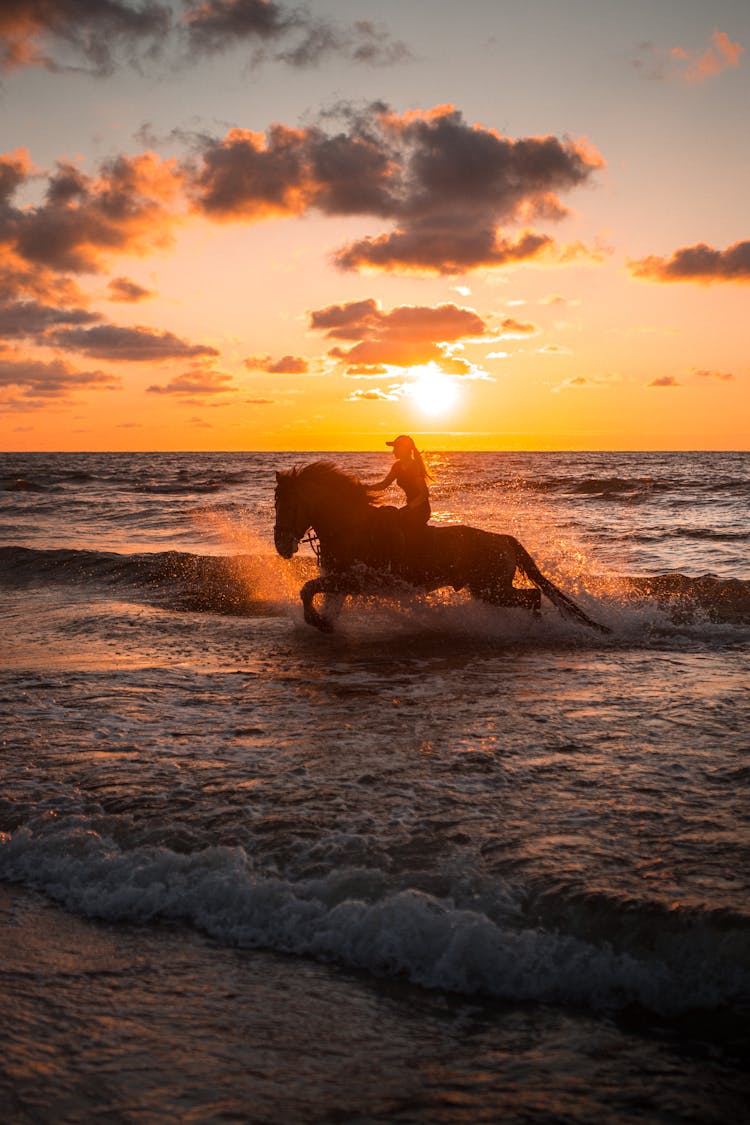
22 380
123 289
109 341
448 187
58 34
100 35
287 34
697 263
15 168
287 365
198 382
127 208
29 318
408 334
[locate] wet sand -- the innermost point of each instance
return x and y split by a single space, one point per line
143 1025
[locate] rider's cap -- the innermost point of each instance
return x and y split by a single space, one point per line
399 439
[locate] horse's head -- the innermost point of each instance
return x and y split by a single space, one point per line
320 496
292 517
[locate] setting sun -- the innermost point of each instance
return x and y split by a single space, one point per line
433 391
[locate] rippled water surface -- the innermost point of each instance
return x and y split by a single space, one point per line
450 863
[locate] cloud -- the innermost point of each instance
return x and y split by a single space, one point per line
692 67
287 365
554 349
29 318
109 341
195 382
288 34
716 376
697 263
102 34
23 380
592 381
129 207
407 335
664 381
448 188
123 289
373 395
99 36
366 370
512 329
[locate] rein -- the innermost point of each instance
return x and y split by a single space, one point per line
314 542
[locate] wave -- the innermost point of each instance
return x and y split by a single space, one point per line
351 916
235 584
22 484
248 584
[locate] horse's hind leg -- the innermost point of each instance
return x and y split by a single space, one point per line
509 596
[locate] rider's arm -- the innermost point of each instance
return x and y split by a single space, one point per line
381 484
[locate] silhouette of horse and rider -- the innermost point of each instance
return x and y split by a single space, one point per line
367 547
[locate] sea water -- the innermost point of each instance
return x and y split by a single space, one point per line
450 863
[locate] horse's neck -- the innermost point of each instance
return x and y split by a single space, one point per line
338 526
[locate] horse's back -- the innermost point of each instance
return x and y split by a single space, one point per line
461 554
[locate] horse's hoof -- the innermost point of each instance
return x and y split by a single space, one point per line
312 617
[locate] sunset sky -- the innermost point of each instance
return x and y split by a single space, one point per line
253 224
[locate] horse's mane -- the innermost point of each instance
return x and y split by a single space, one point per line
346 486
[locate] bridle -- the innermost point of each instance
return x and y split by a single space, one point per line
314 542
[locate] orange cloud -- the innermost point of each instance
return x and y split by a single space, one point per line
407 335
664 381
129 207
692 67
373 395
697 263
721 55
512 329
196 382
716 376
123 289
287 365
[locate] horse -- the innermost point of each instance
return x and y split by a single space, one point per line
366 548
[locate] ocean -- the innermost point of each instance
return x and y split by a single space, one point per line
447 864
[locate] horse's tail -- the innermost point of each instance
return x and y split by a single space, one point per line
566 605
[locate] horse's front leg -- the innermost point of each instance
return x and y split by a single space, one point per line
335 588
307 594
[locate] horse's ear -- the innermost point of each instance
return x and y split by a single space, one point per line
278 477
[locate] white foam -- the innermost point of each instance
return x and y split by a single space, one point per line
349 917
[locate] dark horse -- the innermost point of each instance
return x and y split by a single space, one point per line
365 549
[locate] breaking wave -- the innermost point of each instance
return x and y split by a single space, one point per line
353 917
251 584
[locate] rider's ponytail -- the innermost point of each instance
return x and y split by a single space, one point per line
417 457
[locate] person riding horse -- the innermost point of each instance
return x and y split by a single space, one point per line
359 555
410 473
